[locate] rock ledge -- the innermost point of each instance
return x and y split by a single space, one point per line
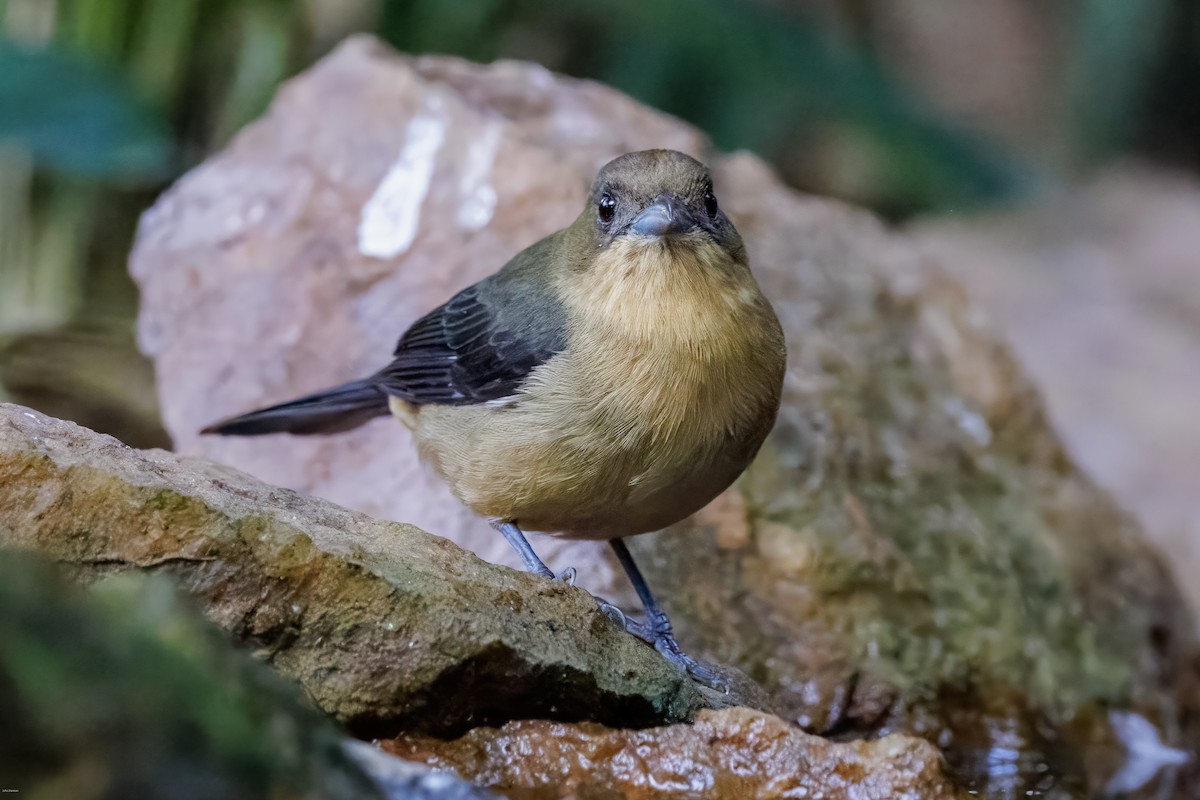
385 626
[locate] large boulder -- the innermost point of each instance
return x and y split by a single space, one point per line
1102 305
912 550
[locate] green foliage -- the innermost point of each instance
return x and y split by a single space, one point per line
127 691
78 116
1115 47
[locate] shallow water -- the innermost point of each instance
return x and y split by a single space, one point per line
1135 764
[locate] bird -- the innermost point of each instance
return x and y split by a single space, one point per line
609 380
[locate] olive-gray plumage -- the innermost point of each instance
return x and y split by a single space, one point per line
610 380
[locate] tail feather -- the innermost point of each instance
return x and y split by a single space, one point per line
331 411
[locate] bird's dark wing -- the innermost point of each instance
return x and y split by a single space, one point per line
472 349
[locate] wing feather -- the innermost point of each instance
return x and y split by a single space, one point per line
463 353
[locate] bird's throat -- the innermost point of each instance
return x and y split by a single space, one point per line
672 292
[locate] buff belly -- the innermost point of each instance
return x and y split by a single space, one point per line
506 463
568 461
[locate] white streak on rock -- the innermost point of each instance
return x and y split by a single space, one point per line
475 189
389 219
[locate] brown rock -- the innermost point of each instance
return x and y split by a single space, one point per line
736 753
913 537
384 626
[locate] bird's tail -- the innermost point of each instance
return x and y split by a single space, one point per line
331 411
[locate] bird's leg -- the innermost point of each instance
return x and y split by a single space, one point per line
658 632
533 564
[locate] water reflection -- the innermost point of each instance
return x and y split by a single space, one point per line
1134 764
1146 754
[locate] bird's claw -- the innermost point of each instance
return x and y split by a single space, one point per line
664 642
697 670
612 612
567 576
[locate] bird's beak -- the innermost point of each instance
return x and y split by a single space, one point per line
663 217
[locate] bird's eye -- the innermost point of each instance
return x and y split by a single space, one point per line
710 204
608 208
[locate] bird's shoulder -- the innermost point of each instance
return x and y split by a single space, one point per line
482 343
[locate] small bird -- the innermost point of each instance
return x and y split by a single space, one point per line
609 380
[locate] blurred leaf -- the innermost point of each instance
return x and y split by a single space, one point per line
259 65
160 50
469 29
77 116
95 28
1116 47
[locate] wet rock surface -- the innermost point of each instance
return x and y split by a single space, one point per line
383 625
734 753
912 550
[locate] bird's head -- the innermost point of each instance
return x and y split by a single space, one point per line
661 200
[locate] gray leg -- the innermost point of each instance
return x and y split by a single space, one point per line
533 564
659 632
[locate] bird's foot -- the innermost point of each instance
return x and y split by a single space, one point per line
663 640
697 670
567 576
615 614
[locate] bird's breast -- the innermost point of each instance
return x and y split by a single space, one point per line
661 397
680 342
